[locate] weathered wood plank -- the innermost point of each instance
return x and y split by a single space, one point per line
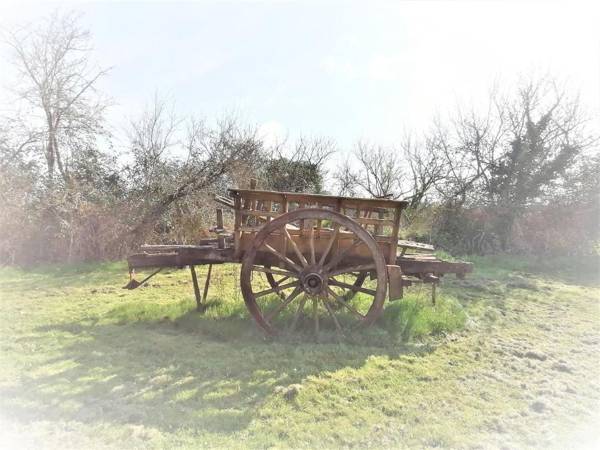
185 256
329 200
374 221
411 266
225 201
258 213
415 245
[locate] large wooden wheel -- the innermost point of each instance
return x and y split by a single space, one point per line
296 272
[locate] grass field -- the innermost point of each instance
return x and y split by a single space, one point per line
508 358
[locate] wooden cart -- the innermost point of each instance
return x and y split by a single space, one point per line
328 260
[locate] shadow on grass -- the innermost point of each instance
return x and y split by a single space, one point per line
208 374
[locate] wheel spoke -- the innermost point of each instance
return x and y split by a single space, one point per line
338 257
300 256
282 280
277 289
311 243
359 268
283 304
332 314
329 244
299 311
335 282
341 258
316 315
277 283
274 271
283 258
345 304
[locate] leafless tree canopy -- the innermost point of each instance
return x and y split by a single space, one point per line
524 150
478 180
57 84
299 168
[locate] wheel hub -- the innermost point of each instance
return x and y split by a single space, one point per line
313 282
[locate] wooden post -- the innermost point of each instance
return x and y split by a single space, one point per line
284 204
220 228
338 208
395 280
253 203
284 208
237 232
220 218
199 306
394 236
379 228
302 221
207 282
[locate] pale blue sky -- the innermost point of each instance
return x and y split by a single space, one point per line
336 69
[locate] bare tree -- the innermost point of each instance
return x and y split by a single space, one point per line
345 179
380 173
57 81
152 136
300 169
211 154
427 165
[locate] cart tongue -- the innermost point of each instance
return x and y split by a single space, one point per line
133 283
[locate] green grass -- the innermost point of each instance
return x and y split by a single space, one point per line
506 358
412 317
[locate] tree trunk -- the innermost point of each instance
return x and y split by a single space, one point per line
504 227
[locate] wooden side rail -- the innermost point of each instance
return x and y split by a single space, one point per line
331 201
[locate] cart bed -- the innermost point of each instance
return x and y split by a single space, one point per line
179 256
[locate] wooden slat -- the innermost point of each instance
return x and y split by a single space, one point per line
373 221
254 213
295 231
329 200
224 201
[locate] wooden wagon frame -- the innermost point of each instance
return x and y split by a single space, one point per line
332 259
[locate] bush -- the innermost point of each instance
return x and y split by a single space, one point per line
544 230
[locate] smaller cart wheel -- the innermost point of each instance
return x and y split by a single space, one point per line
313 272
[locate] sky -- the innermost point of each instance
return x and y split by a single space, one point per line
342 70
